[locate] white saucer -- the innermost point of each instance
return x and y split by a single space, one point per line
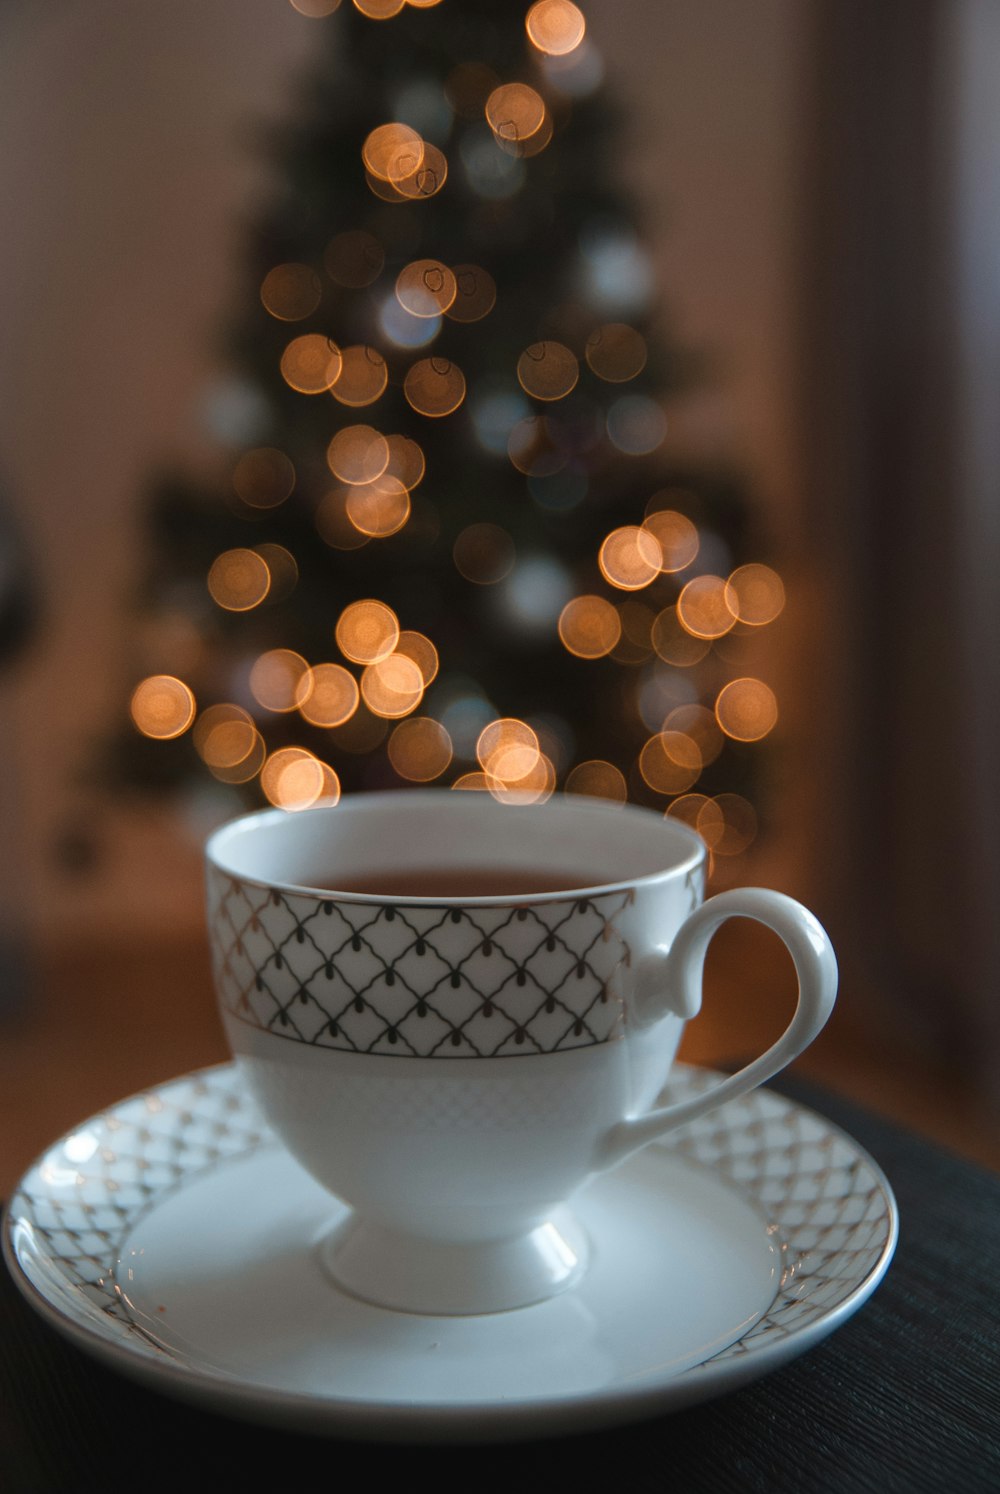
173 1238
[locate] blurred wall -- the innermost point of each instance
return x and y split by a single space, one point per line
126 172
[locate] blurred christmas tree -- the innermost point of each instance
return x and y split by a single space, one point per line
446 543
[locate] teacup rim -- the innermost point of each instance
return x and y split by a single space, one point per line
695 858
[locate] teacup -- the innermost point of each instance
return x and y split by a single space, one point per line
456 1066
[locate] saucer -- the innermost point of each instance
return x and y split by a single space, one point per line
173 1238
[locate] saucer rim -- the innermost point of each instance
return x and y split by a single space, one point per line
366 1419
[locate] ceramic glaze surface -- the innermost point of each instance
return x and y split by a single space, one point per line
174 1238
455 1069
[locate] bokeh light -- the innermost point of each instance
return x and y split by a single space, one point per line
475 781
434 387
363 376
555 27
475 294
406 461
294 779
598 779
392 152
239 580
727 824
228 742
378 509
426 181
670 762
548 370
327 695
315 9
700 724
275 677
703 607
674 644
746 709
367 632
589 627
354 259
484 554
419 648
283 568
514 112
420 749
426 287
630 558
358 454
162 707
379 10
676 536
392 686
291 292
636 424
311 364
616 353
508 749
756 594
333 523
263 478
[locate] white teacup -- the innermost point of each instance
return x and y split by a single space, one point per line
455 1067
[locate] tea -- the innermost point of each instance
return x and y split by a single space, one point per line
464 882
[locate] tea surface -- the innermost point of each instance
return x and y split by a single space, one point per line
465 882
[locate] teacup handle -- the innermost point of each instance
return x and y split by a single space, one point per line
816 968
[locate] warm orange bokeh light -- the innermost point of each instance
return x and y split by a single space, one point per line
598 780
434 387
531 787
327 695
426 181
291 292
698 723
392 152
334 525
406 461
380 508
746 709
295 779
392 686
670 762
475 781
616 353
354 259
514 112
239 580
311 364
630 558
283 567
508 749
703 609
363 376
484 554
367 632
674 644
162 707
676 536
420 749
264 477
475 294
548 370
358 454
379 10
315 9
274 679
727 824
420 649
426 288
555 27
228 742
756 594
589 627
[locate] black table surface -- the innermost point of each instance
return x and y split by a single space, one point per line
904 1397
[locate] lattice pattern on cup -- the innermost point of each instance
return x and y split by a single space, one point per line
420 981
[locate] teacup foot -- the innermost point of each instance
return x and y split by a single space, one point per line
436 1278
